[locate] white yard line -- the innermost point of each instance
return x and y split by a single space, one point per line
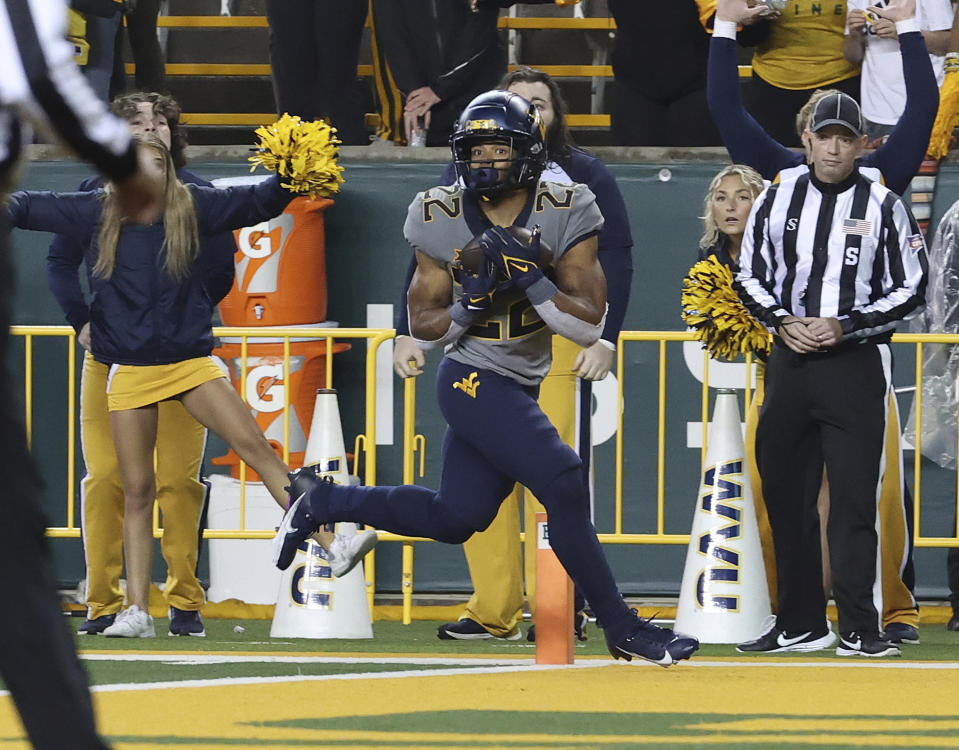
457 667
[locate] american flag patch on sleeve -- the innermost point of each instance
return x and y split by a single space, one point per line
856 226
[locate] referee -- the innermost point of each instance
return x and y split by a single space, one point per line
830 261
38 663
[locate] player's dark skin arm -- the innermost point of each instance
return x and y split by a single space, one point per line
429 299
581 282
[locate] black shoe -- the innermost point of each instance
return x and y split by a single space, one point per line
579 628
299 523
953 624
900 632
855 643
97 625
653 643
778 641
470 630
186 622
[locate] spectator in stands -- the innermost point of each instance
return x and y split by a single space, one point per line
494 555
314 50
659 60
150 319
103 19
180 438
896 161
435 57
141 26
796 53
875 45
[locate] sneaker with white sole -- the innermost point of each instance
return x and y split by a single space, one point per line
470 630
650 642
186 622
96 625
901 632
299 523
778 641
132 622
347 550
855 643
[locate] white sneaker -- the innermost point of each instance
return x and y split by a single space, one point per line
348 549
132 622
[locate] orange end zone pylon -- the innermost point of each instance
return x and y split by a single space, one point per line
554 602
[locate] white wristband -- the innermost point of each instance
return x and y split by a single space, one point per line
724 29
907 25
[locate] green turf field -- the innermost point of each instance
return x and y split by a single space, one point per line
238 688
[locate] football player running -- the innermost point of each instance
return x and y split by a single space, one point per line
495 326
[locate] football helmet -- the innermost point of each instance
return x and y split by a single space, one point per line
499 117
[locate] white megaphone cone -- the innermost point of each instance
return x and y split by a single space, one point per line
312 602
723 597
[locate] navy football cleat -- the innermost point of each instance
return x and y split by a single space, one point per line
299 523
653 643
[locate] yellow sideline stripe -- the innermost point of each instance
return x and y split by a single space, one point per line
714 706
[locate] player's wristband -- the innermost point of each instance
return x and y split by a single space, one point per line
537 287
724 29
907 25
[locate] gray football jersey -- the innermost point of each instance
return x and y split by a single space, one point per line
513 340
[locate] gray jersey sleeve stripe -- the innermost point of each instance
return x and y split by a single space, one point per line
73 109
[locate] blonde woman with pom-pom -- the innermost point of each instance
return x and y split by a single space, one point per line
150 321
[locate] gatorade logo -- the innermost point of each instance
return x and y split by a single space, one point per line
265 388
259 250
722 563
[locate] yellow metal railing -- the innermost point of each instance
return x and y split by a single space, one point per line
414 445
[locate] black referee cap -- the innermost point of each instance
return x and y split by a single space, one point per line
837 109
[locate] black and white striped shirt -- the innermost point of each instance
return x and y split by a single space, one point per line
39 81
850 251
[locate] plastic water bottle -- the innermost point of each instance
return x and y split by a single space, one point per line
418 136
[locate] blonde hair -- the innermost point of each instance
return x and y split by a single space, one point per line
753 182
181 243
805 112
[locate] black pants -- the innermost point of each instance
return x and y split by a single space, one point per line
38 662
639 120
825 409
147 55
314 49
775 108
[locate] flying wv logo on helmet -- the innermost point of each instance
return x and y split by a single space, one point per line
499 117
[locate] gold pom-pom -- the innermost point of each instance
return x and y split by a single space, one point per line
713 309
304 153
941 136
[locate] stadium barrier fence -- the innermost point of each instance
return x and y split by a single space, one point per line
414 444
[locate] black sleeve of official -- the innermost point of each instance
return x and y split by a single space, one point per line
70 105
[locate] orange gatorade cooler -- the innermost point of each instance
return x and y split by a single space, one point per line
280 266
264 389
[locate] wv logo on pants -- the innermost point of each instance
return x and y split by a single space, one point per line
468 385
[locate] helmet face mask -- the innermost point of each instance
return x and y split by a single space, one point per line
506 118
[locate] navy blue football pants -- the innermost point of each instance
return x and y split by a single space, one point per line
497 436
